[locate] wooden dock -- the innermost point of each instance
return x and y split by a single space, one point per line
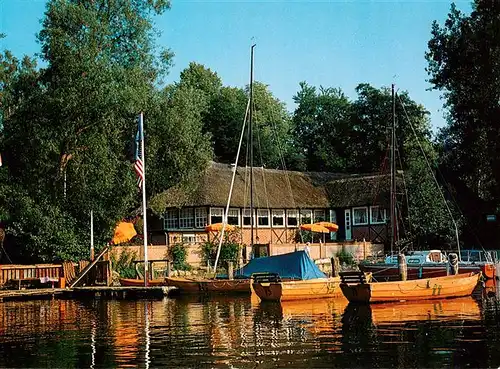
30 294
104 292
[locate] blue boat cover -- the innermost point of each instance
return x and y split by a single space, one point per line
294 265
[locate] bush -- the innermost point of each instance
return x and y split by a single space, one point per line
229 252
345 257
124 265
178 255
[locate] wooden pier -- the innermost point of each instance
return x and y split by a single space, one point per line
30 294
103 292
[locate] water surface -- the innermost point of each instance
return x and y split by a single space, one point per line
227 332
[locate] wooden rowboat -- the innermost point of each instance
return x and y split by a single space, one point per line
129 282
421 289
271 288
192 285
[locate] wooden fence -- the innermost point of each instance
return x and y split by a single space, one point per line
26 272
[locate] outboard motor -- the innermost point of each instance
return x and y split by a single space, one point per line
452 264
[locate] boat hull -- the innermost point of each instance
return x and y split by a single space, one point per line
191 285
129 282
390 272
422 289
298 290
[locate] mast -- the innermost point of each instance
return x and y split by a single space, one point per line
393 175
250 129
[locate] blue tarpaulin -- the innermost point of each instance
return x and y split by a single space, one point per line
294 265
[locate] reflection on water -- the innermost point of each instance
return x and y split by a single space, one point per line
241 332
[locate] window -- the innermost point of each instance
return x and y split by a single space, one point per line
263 217
292 218
278 218
378 215
200 217
186 218
171 219
360 215
319 216
233 217
247 218
188 238
216 215
305 216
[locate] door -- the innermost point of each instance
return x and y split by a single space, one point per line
333 219
348 227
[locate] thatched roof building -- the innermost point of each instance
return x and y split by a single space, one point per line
278 189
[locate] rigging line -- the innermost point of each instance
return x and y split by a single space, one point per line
225 215
405 190
433 176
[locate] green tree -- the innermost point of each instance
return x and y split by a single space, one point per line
463 63
66 141
322 127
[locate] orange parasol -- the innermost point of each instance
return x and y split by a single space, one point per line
216 227
314 228
124 232
332 227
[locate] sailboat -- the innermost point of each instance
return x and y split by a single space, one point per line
241 284
420 264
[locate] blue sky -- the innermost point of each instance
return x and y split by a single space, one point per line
328 43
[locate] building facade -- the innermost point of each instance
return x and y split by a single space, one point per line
283 200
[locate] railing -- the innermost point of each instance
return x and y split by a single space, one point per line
20 272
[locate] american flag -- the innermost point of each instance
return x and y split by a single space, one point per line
138 164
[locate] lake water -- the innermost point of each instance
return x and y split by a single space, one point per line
239 332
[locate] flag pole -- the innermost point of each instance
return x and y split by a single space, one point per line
91 235
145 232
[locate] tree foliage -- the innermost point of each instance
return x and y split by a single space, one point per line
463 63
68 126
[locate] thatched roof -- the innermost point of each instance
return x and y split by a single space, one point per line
277 189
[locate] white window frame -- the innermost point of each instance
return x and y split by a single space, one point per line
319 211
233 213
292 213
303 214
384 215
245 213
365 208
188 238
261 214
171 215
186 218
278 214
200 217
216 212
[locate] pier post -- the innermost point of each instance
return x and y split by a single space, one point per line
453 264
335 266
169 268
230 271
403 268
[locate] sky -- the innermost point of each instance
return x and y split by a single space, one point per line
325 43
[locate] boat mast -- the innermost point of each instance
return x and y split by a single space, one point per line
251 149
394 233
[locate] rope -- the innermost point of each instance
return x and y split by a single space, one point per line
432 172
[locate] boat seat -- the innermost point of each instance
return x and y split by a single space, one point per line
266 277
353 278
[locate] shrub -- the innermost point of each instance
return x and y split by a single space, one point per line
178 255
123 264
345 257
229 252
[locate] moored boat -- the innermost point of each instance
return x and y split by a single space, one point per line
425 264
273 288
193 285
130 282
420 289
